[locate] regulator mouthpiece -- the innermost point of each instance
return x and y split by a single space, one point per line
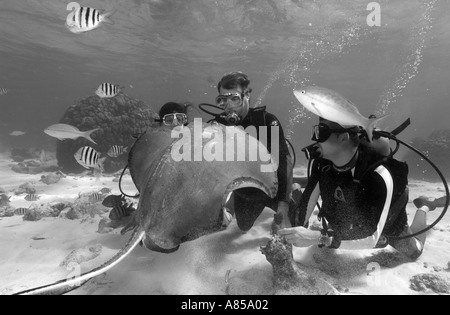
312 152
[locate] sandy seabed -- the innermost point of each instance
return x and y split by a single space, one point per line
228 262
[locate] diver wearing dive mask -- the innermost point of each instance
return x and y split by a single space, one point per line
234 99
320 134
176 119
236 104
364 196
174 114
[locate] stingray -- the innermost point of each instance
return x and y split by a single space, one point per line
183 195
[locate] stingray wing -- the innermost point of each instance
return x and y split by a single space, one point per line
182 199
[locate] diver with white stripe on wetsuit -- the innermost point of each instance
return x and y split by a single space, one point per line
364 196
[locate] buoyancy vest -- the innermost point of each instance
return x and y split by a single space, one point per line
353 201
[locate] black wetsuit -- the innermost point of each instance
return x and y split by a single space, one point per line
250 201
353 201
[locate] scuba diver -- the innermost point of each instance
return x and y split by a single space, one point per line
248 204
364 197
174 114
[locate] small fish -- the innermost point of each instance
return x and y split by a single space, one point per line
32 197
4 91
17 133
107 90
95 197
117 151
121 211
332 106
84 19
89 158
113 200
120 207
21 211
63 132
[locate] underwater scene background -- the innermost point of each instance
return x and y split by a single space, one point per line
179 50
160 51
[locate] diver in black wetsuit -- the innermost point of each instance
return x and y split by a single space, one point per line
248 203
364 197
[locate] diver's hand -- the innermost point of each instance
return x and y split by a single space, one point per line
281 218
283 210
299 236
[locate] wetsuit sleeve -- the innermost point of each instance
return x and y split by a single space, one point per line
285 167
309 198
372 241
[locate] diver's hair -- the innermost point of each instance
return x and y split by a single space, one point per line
172 108
234 80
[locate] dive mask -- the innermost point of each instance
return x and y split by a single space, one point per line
229 99
322 132
176 119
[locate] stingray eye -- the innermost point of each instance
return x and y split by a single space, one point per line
303 92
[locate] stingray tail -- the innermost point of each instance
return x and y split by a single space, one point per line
65 286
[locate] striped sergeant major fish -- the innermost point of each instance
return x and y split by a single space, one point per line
89 158
114 200
84 19
107 90
120 207
32 197
96 197
117 151
4 91
21 211
121 211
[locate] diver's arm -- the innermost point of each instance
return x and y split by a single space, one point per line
312 203
278 148
285 178
309 198
372 241
285 168
300 236
285 175
284 198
